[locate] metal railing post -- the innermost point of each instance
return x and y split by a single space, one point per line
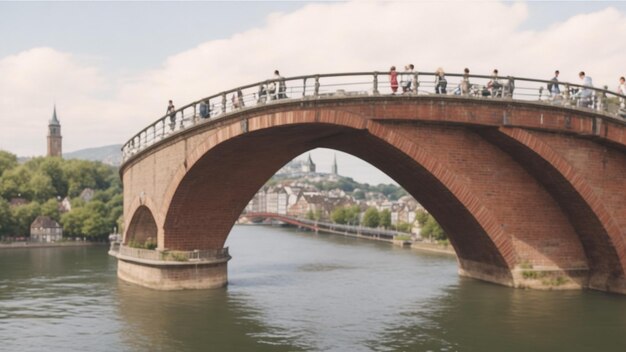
317 86
304 87
375 84
603 100
566 95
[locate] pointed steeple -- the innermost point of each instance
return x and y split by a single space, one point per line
54 120
335 170
311 164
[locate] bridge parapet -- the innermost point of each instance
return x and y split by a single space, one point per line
372 84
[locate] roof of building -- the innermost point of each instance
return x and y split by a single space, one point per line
16 202
43 221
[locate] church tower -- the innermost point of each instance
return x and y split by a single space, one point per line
335 171
54 136
309 165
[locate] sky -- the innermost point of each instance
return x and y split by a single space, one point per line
110 67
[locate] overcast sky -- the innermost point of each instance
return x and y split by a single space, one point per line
111 67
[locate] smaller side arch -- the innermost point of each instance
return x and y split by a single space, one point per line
138 201
143 224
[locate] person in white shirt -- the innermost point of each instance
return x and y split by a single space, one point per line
621 89
584 94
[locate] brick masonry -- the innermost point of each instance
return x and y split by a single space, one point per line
531 195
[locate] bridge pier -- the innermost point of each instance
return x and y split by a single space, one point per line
171 271
537 277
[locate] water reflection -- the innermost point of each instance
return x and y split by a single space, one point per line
57 298
477 316
294 291
190 321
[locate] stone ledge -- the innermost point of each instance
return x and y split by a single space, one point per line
151 262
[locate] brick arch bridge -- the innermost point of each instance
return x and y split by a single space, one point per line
531 195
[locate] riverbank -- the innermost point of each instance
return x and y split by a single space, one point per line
433 248
14 245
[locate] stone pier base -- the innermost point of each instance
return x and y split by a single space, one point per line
174 276
542 278
485 272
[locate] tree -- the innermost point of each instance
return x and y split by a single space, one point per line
6 220
95 224
80 175
23 216
73 222
339 215
40 187
352 215
371 217
53 167
421 216
51 209
403 226
7 161
431 229
385 218
14 183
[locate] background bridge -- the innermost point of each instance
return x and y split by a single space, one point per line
530 190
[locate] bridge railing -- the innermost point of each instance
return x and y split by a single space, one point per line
118 249
337 85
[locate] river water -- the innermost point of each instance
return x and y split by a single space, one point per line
294 291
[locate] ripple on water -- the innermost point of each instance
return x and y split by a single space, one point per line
323 267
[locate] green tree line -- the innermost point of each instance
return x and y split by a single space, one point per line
44 181
350 215
429 226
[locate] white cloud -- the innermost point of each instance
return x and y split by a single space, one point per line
97 109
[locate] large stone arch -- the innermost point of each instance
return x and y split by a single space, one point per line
485 246
485 187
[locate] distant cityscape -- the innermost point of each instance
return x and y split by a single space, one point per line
299 190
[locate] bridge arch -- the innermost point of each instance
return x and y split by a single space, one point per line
141 227
483 245
486 188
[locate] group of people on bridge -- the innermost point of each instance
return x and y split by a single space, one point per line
275 89
497 87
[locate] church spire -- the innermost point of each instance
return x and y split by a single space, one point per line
54 120
334 169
